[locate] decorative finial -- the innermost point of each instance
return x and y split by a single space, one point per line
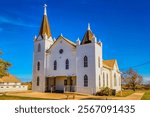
89 28
94 36
61 34
35 37
99 41
45 11
78 41
54 39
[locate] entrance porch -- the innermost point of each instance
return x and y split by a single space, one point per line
61 84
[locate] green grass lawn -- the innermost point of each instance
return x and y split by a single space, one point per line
5 97
146 96
125 93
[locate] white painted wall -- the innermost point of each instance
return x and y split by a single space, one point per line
8 87
118 86
98 70
105 72
89 51
41 57
75 56
69 52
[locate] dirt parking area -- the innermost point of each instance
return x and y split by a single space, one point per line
56 96
72 96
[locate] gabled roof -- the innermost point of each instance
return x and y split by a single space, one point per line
9 79
109 63
67 40
87 38
72 43
1 80
45 27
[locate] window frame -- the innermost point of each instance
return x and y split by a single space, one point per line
85 80
55 65
103 79
65 82
85 61
99 65
38 81
115 79
99 81
38 66
39 48
67 64
107 80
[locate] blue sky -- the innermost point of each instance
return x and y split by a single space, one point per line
122 25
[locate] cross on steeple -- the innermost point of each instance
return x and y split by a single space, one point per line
45 11
45 27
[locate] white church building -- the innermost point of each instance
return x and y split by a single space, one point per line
61 65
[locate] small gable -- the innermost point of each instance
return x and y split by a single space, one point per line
62 39
109 63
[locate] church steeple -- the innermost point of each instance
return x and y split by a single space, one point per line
45 27
88 36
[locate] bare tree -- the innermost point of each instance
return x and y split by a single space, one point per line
132 79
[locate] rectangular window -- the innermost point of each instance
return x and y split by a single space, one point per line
65 82
107 80
55 68
55 65
85 81
38 81
99 62
99 81
85 61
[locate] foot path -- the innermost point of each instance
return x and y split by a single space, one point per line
134 96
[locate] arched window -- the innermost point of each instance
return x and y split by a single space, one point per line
55 65
85 81
38 81
120 81
103 79
99 81
38 66
107 80
67 64
99 62
39 47
85 61
115 80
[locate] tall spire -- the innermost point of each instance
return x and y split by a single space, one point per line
45 10
89 28
88 36
45 27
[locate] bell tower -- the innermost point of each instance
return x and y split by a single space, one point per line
41 44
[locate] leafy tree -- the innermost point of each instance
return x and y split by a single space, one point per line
4 67
132 79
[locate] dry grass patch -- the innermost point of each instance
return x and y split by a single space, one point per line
146 95
5 97
124 93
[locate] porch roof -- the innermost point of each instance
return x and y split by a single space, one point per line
60 76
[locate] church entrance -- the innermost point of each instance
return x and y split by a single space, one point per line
61 84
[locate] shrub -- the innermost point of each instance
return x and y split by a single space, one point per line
105 92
